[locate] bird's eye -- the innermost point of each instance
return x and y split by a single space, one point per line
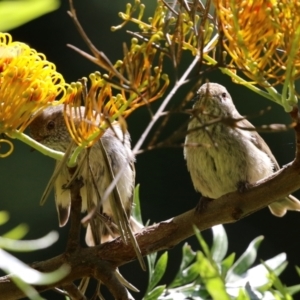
50 125
223 95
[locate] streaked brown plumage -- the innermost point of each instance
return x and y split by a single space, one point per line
49 129
226 156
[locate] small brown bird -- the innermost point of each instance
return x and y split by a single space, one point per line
49 129
223 157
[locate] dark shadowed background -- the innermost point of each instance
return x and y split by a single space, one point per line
166 188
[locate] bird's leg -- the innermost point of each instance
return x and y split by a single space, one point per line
75 215
202 204
243 186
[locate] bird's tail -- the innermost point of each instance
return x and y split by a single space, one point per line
280 207
108 233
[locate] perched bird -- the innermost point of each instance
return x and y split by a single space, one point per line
49 129
222 158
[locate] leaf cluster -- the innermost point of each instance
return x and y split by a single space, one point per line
210 274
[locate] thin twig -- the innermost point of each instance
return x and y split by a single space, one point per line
178 84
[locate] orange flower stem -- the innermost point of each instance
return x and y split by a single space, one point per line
271 93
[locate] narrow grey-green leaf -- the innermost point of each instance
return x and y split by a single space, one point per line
212 279
243 295
220 243
27 289
17 233
4 217
297 270
11 264
151 258
227 263
155 293
30 245
277 283
251 292
202 242
188 255
258 276
187 276
16 13
293 289
159 270
191 291
277 263
246 259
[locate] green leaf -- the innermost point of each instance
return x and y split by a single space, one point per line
246 259
202 243
30 245
190 291
278 284
188 255
298 270
154 294
220 243
256 277
17 233
27 289
151 258
24 276
11 264
250 292
4 217
188 275
159 270
291 290
136 210
243 295
212 279
258 274
16 13
227 263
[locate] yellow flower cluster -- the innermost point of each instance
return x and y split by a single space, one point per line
178 27
262 38
85 127
28 83
137 79
102 107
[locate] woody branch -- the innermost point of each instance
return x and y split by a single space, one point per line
166 234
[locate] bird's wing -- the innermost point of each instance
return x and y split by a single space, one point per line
119 213
259 142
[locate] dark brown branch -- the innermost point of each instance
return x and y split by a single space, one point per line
86 262
227 209
108 276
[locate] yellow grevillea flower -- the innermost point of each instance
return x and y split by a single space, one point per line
103 105
262 38
173 27
85 126
28 83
